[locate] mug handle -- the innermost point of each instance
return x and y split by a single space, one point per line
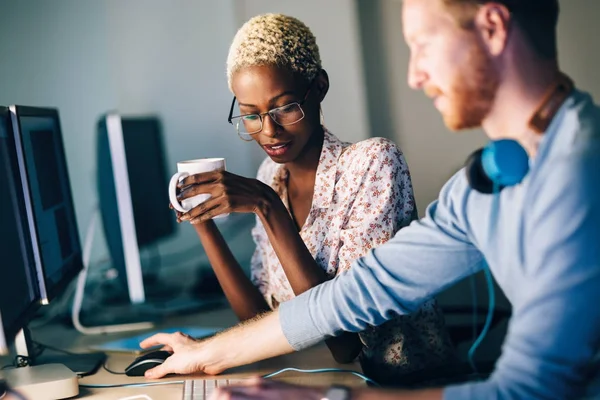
173 191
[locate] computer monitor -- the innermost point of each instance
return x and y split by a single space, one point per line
19 290
132 171
20 278
48 200
49 210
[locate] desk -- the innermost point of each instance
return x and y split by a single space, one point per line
317 357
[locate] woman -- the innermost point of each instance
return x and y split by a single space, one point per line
320 203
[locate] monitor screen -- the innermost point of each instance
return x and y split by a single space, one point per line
148 179
19 291
131 156
51 204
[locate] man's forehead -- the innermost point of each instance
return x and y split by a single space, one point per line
422 16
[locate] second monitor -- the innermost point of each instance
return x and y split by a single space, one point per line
132 189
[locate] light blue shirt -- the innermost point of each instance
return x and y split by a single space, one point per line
543 250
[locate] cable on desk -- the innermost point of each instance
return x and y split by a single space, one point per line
322 370
105 366
120 385
307 371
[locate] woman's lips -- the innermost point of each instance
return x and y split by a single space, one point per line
277 149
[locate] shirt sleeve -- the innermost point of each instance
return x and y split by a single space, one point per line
383 203
395 278
554 332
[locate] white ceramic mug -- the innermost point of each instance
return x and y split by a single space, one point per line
192 167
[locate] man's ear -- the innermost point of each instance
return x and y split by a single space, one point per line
321 84
493 22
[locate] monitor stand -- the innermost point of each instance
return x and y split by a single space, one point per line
96 330
43 382
80 290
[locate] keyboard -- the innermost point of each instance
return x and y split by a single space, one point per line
201 389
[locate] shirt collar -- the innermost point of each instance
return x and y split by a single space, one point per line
554 128
326 173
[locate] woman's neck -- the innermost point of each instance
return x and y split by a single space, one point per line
304 167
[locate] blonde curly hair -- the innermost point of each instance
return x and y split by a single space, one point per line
274 39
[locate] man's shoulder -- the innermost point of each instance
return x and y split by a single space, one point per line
579 129
588 116
572 151
569 165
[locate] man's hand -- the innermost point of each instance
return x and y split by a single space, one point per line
246 343
189 355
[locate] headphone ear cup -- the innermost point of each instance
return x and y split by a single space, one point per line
476 175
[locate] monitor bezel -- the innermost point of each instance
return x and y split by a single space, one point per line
131 250
47 292
9 332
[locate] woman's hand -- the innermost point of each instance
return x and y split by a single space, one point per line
229 193
266 389
189 355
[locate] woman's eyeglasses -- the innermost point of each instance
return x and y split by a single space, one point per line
252 124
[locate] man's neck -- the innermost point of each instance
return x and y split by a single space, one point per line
518 98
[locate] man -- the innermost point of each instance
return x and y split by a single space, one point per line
489 64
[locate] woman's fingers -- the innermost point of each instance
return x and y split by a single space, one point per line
201 178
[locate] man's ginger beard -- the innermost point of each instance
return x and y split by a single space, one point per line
472 90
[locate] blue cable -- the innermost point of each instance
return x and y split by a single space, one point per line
474 300
490 285
318 371
488 319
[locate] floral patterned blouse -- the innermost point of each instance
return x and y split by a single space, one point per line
362 196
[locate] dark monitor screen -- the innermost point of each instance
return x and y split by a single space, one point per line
52 207
19 290
148 185
148 179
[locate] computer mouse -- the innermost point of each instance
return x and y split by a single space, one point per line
148 361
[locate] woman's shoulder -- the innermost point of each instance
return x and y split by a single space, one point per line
376 150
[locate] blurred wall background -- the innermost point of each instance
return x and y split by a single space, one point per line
164 58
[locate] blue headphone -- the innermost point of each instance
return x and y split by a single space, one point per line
500 164
505 162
